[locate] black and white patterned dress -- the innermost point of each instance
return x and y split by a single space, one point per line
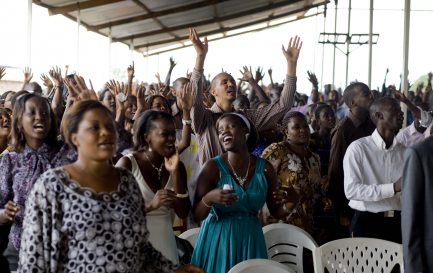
68 228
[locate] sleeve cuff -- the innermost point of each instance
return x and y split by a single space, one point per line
388 190
426 118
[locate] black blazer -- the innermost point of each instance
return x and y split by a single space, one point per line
417 208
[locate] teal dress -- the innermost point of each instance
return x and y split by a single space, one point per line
232 234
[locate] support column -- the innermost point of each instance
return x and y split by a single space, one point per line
348 42
405 71
29 34
370 44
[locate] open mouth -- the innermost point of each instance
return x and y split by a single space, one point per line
227 139
39 127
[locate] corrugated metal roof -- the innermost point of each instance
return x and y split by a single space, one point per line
155 26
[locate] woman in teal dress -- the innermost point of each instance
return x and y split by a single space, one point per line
231 189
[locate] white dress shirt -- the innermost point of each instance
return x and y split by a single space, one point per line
369 173
409 136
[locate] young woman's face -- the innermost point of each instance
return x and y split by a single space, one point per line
231 133
159 104
327 118
130 109
96 136
36 119
5 124
298 131
109 101
162 137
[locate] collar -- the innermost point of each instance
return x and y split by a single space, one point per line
43 150
412 129
380 143
216 109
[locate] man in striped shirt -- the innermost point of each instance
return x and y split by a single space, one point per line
223 88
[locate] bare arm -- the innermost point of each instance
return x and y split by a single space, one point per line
207 194
186 102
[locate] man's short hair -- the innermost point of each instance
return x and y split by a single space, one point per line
350 91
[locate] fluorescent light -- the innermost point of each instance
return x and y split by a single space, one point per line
282 20
215 36
246 29
161 49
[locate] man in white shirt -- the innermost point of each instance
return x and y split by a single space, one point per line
373 168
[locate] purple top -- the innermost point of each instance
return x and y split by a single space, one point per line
18 174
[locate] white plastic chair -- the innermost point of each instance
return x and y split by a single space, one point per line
285 244
260 266
358 255
190 235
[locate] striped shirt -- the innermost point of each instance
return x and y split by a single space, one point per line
203 119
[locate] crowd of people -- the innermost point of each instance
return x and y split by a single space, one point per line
94 181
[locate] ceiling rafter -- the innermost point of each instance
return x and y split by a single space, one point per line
225 29
164 27
80 6
219 38
156 14
268 7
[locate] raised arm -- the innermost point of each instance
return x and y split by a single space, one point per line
170 70
28 75
185 100
199 115
131 72
2 72
266 117
247 76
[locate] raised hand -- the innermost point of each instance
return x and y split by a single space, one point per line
259 74
46 81
172 163
130 70
270 72
401 97
141 98
79 89
312 78
2 72
28 75
247 75
200 47
172 63
158 78
66 70
56 75
185 97
117 89
293 49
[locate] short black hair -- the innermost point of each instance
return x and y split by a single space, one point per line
379 104
350 91
143 125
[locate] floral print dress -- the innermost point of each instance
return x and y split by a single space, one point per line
300 173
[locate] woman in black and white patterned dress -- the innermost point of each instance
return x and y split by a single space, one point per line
88 216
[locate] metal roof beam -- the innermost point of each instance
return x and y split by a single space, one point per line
79 6
155 14
185 37
268 7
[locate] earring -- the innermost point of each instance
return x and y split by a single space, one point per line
150 149
246 136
